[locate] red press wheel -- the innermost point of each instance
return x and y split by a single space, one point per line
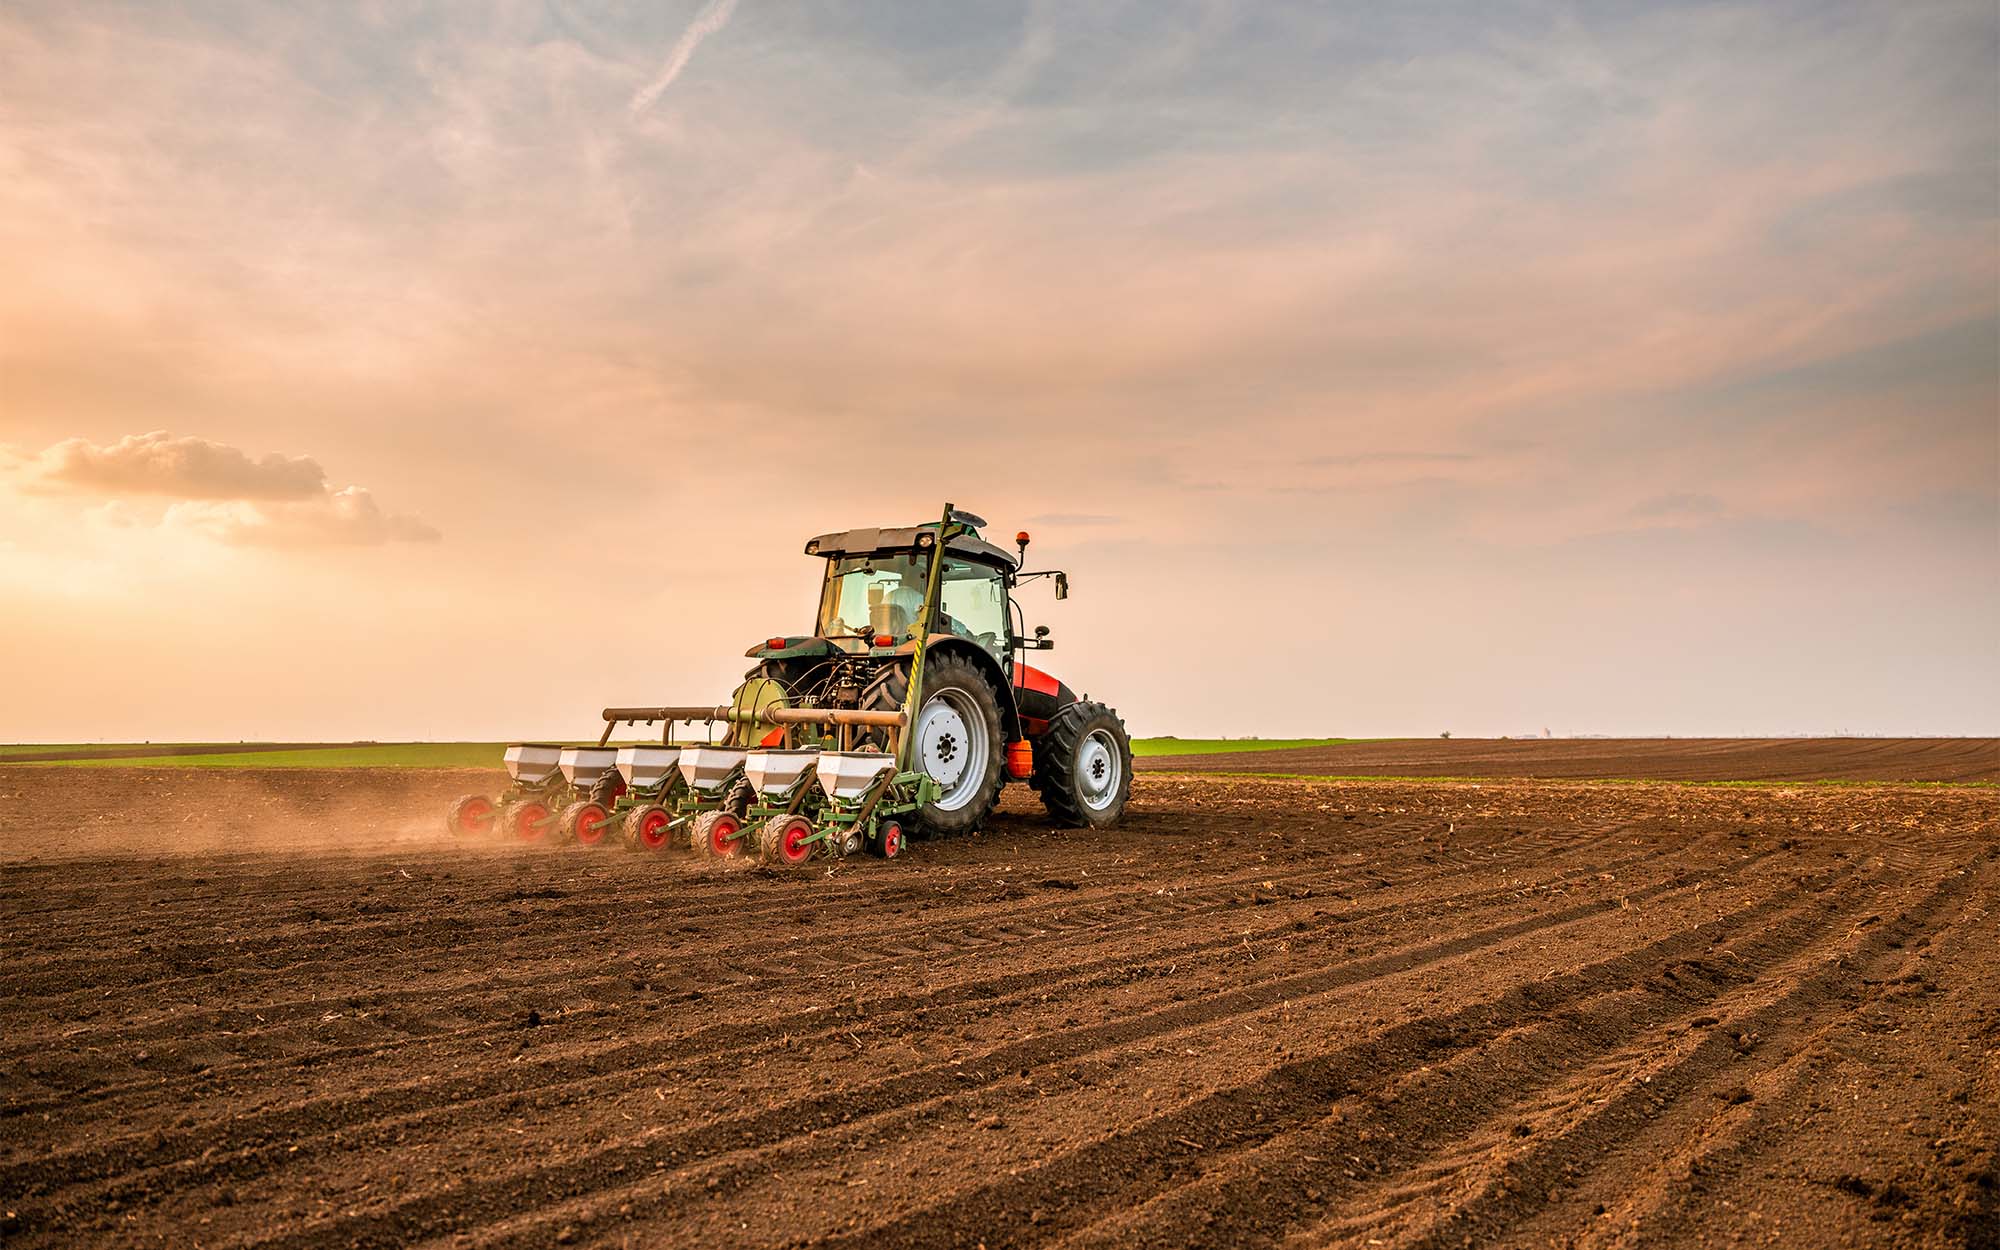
585 822
889 839
646 828
471 816
717 835
528 821
785 840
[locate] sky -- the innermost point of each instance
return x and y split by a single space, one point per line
387 370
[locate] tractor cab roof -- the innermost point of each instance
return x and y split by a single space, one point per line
879 540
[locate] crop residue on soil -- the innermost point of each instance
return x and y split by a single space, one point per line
280 1009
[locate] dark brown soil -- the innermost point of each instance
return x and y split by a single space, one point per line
46 755
1649 759
282 1009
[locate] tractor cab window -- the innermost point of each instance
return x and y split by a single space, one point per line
882 594
879 594
975 604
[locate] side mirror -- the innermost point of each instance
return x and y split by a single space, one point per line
1062 585
1041 631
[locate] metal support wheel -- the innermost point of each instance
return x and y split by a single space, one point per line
645 828
716 835
785 840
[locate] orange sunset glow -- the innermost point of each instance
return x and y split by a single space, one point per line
377 371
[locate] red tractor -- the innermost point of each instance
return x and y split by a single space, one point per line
983 715
910 702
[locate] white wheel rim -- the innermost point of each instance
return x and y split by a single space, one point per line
951 743
1099 770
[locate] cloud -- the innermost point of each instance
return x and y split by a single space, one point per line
220 492
186 468
713 17
349 517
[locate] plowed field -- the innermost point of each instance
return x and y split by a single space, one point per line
1645 759
279 1009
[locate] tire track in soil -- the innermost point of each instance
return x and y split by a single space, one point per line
731 1175
608 1069
1168 1151
1702 1156
865 899
1781 1028
1509 1177
497 922
435 1213
1103 918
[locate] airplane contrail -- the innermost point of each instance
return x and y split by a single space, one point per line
713 17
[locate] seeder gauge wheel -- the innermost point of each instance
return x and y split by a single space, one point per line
716 835
528 819
646 827
585 822
471 816
887 840
785 840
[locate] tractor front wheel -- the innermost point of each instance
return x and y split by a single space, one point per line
1083 766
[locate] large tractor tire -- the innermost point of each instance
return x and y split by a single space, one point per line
1083 766
605 791
956 739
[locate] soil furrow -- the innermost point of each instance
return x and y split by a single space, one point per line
428 1214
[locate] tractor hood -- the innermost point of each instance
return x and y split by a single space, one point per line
867 542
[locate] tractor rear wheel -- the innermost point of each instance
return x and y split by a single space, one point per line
605 791
1083 766
957 740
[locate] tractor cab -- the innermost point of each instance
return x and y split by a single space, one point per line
880 595
873 592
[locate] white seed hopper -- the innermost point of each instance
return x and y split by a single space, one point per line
646 767
582 766
531 762
846 774
774 772
706 768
